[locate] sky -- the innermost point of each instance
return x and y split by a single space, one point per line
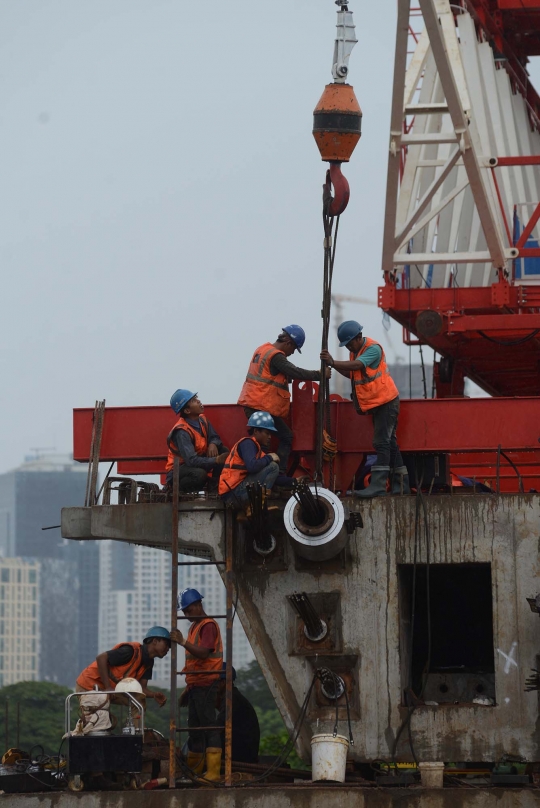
160 202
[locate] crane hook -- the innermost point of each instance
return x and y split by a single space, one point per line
335 205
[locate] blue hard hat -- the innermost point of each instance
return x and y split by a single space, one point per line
348 331
180 399
157 632
187 597
262 420
222 675
297 334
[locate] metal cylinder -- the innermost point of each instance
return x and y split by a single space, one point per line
319 542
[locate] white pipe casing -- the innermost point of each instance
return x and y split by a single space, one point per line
323 541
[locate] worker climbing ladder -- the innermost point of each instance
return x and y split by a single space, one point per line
227 563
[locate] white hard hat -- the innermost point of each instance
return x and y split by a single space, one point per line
128 685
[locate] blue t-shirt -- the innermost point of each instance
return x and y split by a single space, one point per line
371 357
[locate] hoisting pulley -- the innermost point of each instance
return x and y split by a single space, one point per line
337 118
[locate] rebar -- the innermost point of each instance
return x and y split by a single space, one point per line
533 682
315 628
263 541
312 511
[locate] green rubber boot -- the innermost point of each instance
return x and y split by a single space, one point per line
377 485
400 481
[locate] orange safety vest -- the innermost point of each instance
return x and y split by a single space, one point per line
234 469
213 662
262 390
134 668
371 387
200 441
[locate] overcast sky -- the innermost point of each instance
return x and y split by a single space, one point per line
160 203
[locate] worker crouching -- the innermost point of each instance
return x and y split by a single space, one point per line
249 461
373 393
195 442
204 660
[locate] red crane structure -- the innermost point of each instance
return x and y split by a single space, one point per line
461 259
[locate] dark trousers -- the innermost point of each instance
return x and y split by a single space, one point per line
191 478
285 439
202 713
385 419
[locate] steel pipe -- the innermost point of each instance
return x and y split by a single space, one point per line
317 542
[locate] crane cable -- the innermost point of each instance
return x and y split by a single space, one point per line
326 445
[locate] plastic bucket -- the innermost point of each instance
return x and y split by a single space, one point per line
431 774
328 757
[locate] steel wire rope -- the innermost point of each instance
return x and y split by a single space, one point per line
323 405
509 343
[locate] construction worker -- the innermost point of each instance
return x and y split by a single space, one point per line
246 732
194 440
204 660
373 393
249 461
267 384
127 659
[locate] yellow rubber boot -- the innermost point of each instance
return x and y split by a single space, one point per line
195 761
213 763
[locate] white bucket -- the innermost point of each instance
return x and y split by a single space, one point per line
431 774
328 757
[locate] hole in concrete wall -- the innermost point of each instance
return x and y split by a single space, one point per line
460 667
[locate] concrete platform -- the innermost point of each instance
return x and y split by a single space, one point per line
282 797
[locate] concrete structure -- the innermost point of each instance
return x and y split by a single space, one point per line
19 620
299 796
31 497
490 635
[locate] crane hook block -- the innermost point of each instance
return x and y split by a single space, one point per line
337 123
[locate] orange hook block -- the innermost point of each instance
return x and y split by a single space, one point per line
337 123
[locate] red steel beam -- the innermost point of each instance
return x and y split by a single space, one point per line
493 322
527 160
432 425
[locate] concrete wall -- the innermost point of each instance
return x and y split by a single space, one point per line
283 797
502 531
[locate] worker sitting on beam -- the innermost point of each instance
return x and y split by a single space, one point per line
204 660
195 442
375 393
267 384
249 461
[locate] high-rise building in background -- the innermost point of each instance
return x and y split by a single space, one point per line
410 379
136 595
19 620
31 497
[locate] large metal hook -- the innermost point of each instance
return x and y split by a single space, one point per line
335 205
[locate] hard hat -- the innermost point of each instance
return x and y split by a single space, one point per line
262 420
223 674
348 331
180 399
297 334
187 597
158 633
128 685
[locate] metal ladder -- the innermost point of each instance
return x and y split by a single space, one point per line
174 729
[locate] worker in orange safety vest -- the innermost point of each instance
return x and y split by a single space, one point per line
266 388
204 661
250 461
374 393
195 442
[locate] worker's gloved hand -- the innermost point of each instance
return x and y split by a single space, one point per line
220 459
160 699
274 456
177 636
212 450
326 356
